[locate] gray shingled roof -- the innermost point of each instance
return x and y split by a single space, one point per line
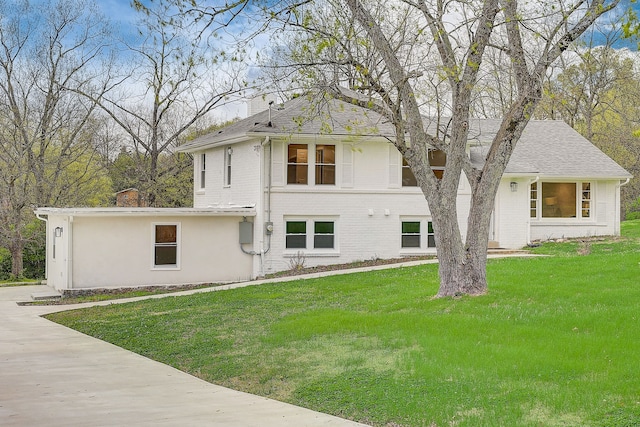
300 117
547 147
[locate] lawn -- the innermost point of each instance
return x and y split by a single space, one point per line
553 343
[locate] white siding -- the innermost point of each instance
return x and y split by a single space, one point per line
118 252
57 264
511 214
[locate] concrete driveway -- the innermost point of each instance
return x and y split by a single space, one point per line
54 376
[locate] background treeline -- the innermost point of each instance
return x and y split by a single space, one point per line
88 109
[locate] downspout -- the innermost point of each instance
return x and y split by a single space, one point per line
269 170
616 222
536 179
263 251
46 246
70 254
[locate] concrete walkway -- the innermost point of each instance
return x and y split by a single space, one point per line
54 376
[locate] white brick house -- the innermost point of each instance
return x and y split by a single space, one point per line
291 183
329 186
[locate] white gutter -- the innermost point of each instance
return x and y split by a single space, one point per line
259 214
267 140
46 245
232 210
70 253
616 219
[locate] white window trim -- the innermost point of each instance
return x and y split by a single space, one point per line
227 153
177 265
311 164
310 251
202 172
396 164
424 249
578 217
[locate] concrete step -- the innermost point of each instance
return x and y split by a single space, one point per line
46 295
501 251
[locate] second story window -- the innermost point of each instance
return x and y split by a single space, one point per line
203 169
325 164
437 160
227 166
408 178
297 164
322 165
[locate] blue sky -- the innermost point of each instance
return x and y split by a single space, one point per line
124 16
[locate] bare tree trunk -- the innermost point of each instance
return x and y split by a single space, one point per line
17 257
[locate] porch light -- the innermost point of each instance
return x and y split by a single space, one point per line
514 186
58 231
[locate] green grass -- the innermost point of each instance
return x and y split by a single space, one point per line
18 282
553 343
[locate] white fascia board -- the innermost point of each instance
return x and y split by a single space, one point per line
206 145
515 175
320 137
148 212
560 178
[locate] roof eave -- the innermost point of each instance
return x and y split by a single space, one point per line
231 140
148 212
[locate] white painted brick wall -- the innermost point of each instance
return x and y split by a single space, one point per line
369 209
245 177
602 223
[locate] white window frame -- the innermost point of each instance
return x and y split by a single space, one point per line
202 166
312 163
228 153
324 166
427 236
178 246
310 249
580 201
404 166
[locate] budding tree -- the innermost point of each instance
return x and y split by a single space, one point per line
175 81
48 134
388 53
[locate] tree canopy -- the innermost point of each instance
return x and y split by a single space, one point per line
406 58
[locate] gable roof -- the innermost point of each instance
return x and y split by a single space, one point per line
547 147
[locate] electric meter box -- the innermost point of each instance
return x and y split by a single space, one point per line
246 232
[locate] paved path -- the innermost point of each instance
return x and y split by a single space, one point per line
54 376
